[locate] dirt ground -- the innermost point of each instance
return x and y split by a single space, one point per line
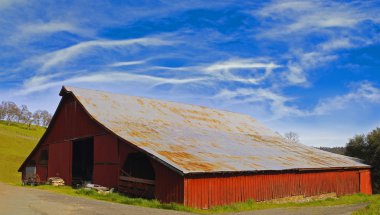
23 201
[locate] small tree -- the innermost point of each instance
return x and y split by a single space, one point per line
292 137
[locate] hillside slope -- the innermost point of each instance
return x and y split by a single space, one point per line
16 142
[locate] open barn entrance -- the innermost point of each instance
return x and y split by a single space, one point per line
137 176
83 161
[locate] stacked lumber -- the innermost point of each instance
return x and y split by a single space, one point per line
136 187
56 181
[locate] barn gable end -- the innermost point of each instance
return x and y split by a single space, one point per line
72 123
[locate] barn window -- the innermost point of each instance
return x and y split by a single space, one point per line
31 163
44 157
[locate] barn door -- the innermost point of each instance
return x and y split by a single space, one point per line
106 160
59 162
365 181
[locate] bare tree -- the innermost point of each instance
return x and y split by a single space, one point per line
11 111
37 117
292 137
46 118
18 114
26 115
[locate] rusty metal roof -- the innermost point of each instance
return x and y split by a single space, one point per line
196 139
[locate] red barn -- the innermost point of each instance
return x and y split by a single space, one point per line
183 153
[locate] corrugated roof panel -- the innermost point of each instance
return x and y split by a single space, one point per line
196 139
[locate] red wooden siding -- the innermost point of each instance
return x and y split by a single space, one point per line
169 184
106 175
365 182
42 172
106 160
106 149
206 191
71 121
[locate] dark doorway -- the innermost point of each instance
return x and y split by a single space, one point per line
83 160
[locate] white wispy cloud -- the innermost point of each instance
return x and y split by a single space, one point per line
255 71
303 62
295 74
337 24
127 63
276 102
39 28
334 44
308 16
280 106
363 93
58 57
239 64
224 70
242 70
26 33
40 83
37 81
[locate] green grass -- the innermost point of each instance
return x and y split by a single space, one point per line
16 142
373 208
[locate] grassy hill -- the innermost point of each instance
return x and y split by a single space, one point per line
16 142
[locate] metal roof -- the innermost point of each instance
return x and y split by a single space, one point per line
196 139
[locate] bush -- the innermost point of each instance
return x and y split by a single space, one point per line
367 148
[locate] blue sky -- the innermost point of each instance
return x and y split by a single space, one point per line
311 67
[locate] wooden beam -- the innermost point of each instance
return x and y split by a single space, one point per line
138 180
